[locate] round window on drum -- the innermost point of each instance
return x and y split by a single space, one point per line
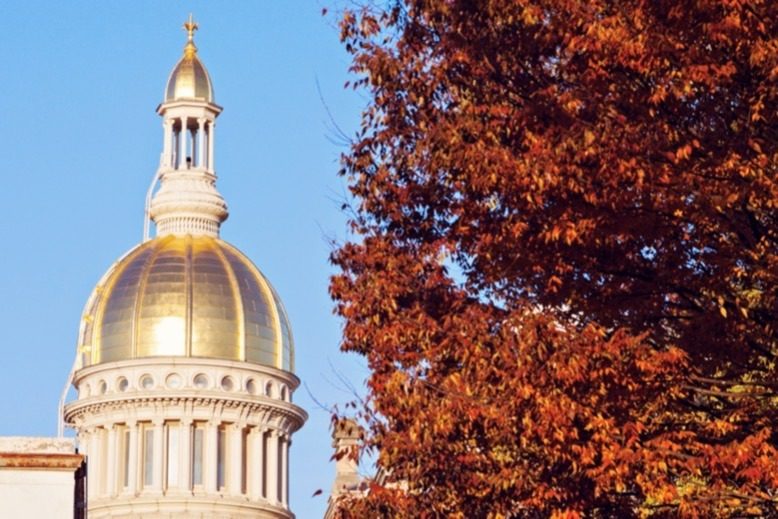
174 381
146 382
228 384
200 381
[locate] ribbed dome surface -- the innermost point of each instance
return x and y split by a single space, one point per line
189 80
188 296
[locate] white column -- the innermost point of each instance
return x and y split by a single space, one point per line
93 463
211 134
185 455
211 456
182 144
285 470
235 466
272 466
254 464
201 142
111 466
132 459
167 154
159 455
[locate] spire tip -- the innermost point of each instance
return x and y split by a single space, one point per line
190 26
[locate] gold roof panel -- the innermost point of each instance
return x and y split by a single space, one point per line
187 296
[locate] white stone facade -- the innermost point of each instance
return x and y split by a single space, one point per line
36 477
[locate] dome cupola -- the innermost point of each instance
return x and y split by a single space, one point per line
187 201
189 79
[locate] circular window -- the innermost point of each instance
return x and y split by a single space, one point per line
146 382
173 381
102 387
284 393
251 386
269 389
122 384
228 384
200 381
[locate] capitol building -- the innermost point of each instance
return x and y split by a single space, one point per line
184 366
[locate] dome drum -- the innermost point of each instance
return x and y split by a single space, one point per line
260 394
186 437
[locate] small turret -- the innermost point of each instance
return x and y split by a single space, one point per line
346 436
187 201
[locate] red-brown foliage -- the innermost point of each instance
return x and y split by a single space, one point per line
563 275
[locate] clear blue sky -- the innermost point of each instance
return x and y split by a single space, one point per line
79 144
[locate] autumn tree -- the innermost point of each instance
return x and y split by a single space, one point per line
564 259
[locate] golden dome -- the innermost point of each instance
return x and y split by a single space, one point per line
186 296
189 79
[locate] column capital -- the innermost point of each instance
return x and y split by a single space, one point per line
157 422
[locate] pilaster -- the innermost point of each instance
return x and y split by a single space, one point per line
185 455
211 456
273 483
132 461
159 456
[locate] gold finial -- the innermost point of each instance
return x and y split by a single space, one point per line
190 26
